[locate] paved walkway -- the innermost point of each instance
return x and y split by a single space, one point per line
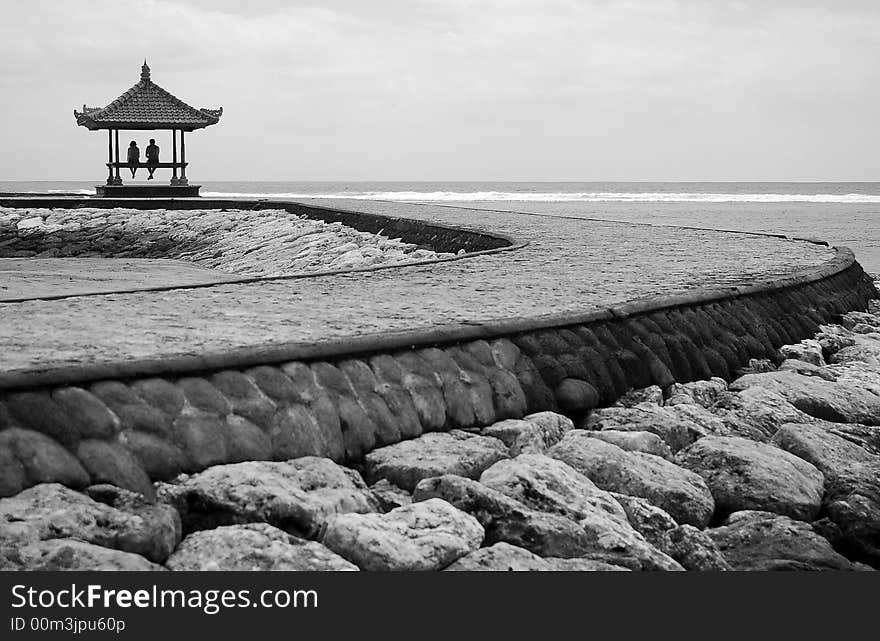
569 265
49 277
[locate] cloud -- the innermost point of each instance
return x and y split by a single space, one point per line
455 89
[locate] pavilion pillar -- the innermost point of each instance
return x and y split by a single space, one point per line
117 180
183 180
174 156
109 156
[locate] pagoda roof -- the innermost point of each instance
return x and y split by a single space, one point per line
147 106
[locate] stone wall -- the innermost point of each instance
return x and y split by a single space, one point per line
129 432
439 238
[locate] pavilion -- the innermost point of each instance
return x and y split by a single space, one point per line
147 106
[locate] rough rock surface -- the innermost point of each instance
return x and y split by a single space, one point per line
757 366
647 519
253 547
757 412
297 495
531 435
56 555
456 452
551 423
830 452
52 511
709 420
599 535
866 437
682 493
428 535
646 442
613 541
676 430
549 485
651 394
834 338
703 393
745 475
506 519
389 495
499 557
693 548
852 487
754 540
808 350
859 348
585 564
853 319
520 437
503 557
856 374
827 400
807 369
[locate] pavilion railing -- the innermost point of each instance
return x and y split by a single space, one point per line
117 179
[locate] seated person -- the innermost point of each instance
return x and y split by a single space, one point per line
134 156
152 157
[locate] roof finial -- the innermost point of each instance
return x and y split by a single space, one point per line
145 71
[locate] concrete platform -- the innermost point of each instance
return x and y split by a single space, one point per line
147 191
56 277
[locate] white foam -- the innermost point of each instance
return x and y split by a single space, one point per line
574 197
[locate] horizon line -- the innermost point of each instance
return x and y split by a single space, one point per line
493 181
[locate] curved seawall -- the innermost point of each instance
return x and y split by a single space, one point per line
540 314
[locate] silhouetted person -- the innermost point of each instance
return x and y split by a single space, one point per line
134 156
152 152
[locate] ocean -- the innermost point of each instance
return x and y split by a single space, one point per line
842 213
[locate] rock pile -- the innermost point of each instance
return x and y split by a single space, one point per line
265 242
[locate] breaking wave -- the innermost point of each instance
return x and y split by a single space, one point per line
586 197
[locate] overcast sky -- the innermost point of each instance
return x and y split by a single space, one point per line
456 89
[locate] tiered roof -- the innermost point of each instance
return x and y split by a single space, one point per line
147 106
